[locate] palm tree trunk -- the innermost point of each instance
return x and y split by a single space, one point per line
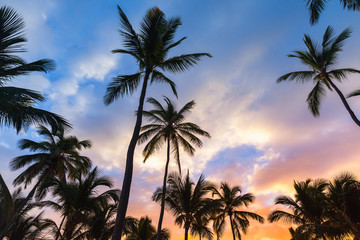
58 232
186 232
125 190
162 210
232 227
343 99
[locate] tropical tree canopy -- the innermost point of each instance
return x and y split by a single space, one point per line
228 201
57 156
320 59
17 107
317 6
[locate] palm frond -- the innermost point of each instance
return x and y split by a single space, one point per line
120 86
299 76
183 62
315 8
315 97
157 76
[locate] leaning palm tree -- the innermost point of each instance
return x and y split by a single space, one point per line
317 6
168 126
228 201
144 230
150 48
77 200
308 208
58 156
185 199
17 106
321 59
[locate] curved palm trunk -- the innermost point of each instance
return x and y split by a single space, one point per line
232 226
343 99
162 210
125 190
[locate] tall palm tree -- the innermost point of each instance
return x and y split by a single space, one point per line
58 156
144 230
150 48
77 199
168 126
321 59
308 208
228 201
17 107
317 6
185 199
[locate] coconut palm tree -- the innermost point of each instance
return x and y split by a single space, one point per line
168 126
321 60
308 208
17 107
317 6
30 228
343 205
144 230
185 199
58 156
77 200
200 227
228 201
150 48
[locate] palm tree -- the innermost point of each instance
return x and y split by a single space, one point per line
168 126
199 227
144 230
317 6
185 200
30 228
150 48
17 107
58 156
77 199
228 201
343 205
321 62
308 208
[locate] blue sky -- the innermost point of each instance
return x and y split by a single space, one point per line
263 136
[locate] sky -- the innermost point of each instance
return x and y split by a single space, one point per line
263 135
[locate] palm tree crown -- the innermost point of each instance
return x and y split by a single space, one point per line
228 201
17 104
185 199
150 48
58 156
321 60
317 6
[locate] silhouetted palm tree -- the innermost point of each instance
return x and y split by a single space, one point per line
150 48
168 126
321 59
343 205
200 227
17 106
58 156
144 230
228 201
317 6
308 208
77 200
185 199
